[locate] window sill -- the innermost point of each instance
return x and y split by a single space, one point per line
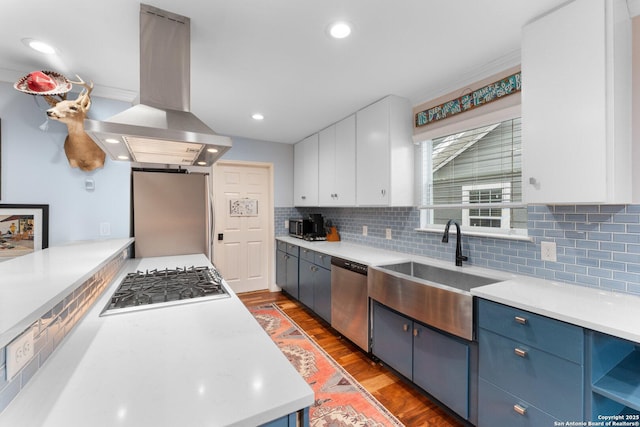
470 232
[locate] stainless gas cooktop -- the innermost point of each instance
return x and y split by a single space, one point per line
156 288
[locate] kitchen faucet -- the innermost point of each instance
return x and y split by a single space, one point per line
445 239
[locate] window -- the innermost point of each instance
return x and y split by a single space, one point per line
480 167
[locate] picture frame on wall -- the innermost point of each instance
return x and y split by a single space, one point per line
23 229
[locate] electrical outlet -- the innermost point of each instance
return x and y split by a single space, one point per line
19 352
388 234
286 224
364 230
548 251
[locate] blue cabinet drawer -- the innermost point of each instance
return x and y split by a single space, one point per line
281 246
323 260
308 254
553 336
292 249
496 407
542 379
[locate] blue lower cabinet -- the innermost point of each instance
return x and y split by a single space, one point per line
441 366
305 282
291 283
531 368
545 380
436 362
392 339
290 420
314 289
322 294
499 408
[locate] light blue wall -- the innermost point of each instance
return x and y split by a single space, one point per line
281 155
35 170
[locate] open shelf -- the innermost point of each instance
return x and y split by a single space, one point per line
622 383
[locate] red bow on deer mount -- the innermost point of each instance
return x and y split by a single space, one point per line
79 148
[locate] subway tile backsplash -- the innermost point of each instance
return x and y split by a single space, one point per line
596 245
53 326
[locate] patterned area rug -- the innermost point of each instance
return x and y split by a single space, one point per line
340 401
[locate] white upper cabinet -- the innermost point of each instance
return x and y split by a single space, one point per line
305 172
576 104
384 154
337 160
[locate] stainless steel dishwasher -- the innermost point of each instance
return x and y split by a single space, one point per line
350 301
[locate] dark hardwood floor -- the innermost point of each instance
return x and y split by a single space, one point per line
408 404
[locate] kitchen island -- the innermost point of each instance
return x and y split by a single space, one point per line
202 363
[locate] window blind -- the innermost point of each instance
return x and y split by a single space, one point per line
478 170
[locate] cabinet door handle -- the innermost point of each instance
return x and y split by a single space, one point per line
415 332
520 352
521 320
405 327
303 197
519 409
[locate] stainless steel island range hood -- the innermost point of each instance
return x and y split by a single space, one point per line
161 129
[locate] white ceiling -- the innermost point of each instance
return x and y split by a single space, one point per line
274 57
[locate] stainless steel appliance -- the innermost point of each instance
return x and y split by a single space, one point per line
350 301
299 227
311 228
171 213
161 129
157 288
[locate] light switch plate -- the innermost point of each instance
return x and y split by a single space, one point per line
388 234
105 228
364 230
19 352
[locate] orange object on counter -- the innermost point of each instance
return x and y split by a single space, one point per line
332 235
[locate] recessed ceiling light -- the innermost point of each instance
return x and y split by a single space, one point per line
123 157
212 150
257 116
202 163
39 46
340 30
112 141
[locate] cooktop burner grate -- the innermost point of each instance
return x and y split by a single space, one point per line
152 288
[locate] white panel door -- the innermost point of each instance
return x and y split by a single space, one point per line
240 249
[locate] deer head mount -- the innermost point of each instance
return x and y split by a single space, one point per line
81 151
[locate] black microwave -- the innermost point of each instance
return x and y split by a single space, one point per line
300 227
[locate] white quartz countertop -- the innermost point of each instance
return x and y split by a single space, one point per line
206 363
601 310
358 253
32 284
373 257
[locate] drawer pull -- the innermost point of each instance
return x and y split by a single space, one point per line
520 409
405 327
415 332
521 320
520 352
